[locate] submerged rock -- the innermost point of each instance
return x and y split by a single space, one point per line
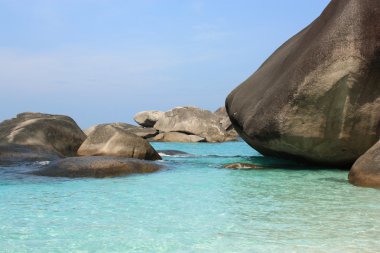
51 132
139 131
366 170
317 97
242 166
177 137
97 167
108 140
148 118
15 153
192 120
173 153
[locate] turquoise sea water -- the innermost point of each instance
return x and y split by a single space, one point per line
194 205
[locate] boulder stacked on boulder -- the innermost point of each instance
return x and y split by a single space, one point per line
186 124
317 97
144 132
108 140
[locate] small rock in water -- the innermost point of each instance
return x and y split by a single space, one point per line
97 167
172 153
242 166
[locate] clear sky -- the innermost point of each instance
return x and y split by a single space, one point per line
105 60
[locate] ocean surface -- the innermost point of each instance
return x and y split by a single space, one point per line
193 205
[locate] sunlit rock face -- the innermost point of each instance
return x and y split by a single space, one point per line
317 97
108 140
366 170
54 133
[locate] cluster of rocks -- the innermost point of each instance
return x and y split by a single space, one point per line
317 97
187 124
107 150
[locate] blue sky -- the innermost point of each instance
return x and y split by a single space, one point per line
103 61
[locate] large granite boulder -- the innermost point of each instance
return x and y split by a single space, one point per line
148 118
51 132
317 97
97 167
15 153
192 120
366 170
143 132
108 140
177 137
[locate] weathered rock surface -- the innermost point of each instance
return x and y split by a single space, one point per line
192 120
97 167
317 98
52 132
366 170
139 131
108 140
177 137
242 166
15 153
224 119
148 118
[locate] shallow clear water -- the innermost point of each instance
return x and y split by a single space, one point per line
194 205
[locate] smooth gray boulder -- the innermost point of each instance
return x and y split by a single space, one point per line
192 120
148 118
137 130
317 97
366 170
108 140
97 167
52 132
177 137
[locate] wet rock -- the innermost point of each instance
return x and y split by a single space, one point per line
15 153
173 153
97 167
108 140
317 97
242 166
